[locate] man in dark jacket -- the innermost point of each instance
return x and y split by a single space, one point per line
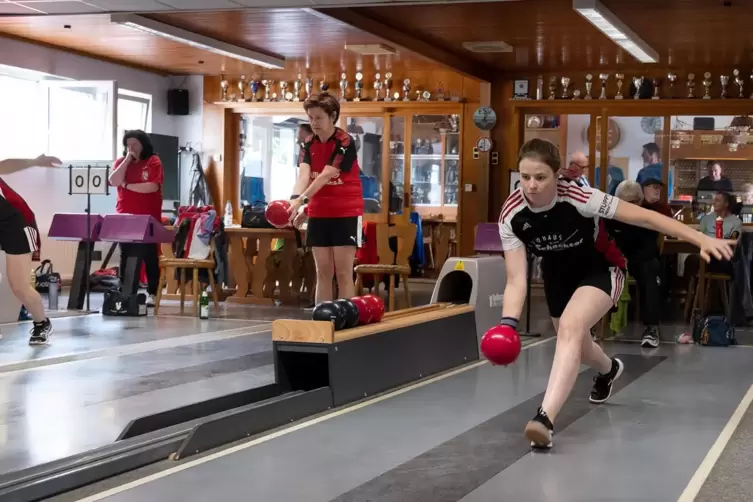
641 249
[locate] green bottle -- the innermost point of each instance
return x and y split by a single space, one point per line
204 306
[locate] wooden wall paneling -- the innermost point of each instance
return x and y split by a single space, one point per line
665 151
603 151
384 215
213 142
593 125
231 156
504 137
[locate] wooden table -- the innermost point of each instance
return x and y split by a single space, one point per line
247 243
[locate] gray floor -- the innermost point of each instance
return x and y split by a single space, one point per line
98 373
460 438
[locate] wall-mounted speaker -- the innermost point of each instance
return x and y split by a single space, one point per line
177 102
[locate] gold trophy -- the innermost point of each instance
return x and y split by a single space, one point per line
603 77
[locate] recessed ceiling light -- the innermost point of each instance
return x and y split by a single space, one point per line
487 47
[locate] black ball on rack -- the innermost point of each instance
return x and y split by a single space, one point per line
350 310
330 311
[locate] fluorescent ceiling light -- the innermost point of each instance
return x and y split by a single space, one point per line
198 41
611 26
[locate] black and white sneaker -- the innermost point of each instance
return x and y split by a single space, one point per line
539 431
40 333
602 388
650 337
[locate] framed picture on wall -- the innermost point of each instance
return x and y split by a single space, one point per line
514 180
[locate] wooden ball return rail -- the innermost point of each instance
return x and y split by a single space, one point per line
405 346
316 369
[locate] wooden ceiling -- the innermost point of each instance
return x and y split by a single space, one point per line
304 37
547 35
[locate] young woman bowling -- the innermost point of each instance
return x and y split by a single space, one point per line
583 271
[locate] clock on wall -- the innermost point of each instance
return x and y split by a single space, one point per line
613 138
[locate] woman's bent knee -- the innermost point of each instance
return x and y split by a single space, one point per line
571 329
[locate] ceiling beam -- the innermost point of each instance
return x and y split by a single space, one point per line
403 40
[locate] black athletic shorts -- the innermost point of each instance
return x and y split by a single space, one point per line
16 237
560 287
331 232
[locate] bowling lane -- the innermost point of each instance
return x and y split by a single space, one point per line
460 438
84 337
50 412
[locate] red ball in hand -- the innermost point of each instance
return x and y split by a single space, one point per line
501 345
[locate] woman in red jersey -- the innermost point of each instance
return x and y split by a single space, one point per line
329 185
19 238
138 177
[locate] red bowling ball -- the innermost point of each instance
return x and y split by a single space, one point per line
501 345
364 311
376 305
277 213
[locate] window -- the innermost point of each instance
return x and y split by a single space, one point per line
23 135
134 110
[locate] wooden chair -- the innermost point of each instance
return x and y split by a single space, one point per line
390 263
710 280
170 264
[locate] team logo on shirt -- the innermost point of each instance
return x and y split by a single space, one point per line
555 242
144 174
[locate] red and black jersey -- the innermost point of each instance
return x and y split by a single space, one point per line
341 196
20 205
569 233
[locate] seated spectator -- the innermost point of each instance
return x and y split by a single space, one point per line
732 227
641 249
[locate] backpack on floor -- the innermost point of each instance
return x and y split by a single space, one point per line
714 331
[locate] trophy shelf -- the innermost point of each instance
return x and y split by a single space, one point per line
635 107
346 107
707 145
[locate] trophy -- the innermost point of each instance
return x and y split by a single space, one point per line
565 82
619 77
440 92
242 88
223 88
297 88
589 77
603 77
359 86
739 81
539 88
691 85
267 84
283 91
707 85
388 86
425 96
657 87
553 86
576 94
343 86
671 77
724 80
309 86
254 85
406 89
323 85
637 83
377 87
